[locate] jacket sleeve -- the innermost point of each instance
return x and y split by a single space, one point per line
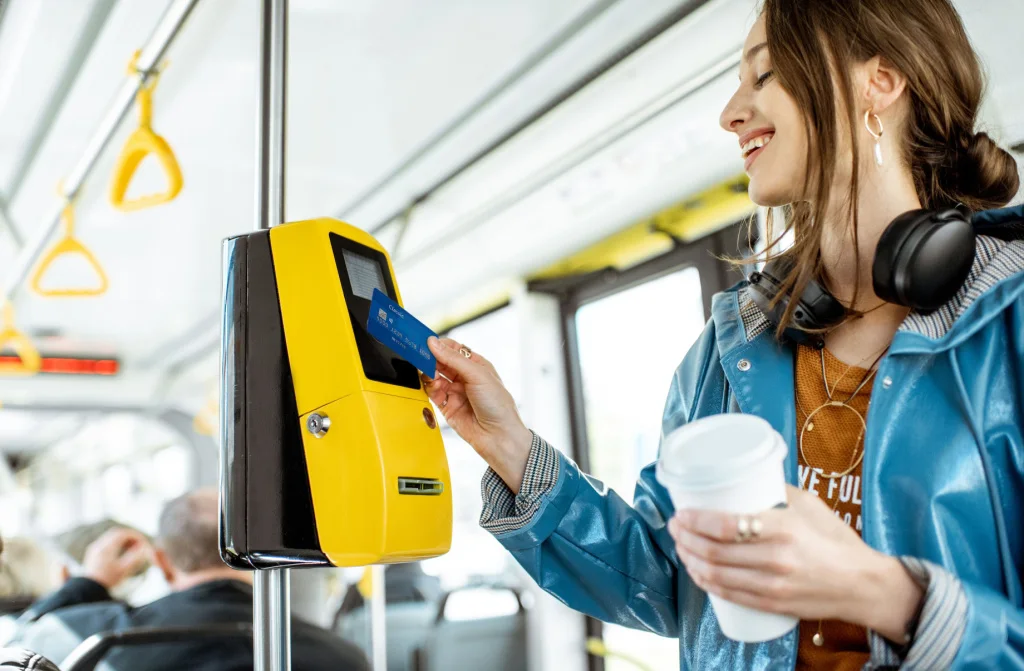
994 634
582 542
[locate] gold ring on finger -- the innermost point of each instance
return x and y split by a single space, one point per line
756 527
743 532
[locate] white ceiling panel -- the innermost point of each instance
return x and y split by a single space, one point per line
372 82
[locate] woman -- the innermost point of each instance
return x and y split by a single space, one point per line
903 543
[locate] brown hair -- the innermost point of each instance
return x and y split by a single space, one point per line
926 41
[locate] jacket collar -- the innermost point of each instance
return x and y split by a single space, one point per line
756 366
995 262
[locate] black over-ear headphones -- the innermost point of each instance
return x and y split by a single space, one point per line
922 260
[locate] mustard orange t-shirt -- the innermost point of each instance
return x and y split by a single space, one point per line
829 443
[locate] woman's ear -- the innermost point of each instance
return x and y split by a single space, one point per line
881 83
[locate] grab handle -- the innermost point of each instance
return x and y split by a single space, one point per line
142 142
69 244
29 361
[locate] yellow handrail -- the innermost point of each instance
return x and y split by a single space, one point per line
30 362
598 648
140 143
69 244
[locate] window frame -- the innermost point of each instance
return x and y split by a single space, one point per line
574 292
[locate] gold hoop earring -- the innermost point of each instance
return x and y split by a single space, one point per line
878 136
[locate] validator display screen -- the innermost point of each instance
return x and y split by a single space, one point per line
361 270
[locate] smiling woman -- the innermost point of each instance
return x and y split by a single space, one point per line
822 86
561 190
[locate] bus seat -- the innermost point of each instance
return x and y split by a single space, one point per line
407 626
496 642
93 649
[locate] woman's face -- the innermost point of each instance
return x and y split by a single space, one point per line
769 127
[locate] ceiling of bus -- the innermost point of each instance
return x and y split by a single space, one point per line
385 98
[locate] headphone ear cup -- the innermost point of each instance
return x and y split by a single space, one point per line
923 258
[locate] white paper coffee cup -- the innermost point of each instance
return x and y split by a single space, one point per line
731 463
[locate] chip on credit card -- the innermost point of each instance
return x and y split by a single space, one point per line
399 331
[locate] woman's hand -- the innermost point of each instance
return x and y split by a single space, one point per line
476 404
805 562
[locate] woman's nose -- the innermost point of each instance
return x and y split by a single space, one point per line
736 113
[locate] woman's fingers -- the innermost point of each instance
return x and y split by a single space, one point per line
763 556
745 588
475 357
451 359
437 395
725 527
728 577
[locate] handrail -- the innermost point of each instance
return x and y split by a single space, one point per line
69 244
142 142
167 29
598 648
30 360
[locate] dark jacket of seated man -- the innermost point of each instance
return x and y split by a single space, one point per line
204 592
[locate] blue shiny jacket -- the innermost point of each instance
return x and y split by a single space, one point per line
943 473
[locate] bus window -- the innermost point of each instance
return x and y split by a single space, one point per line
630 343
475 554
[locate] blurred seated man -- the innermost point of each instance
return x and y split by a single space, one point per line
13 659
203 592
27 569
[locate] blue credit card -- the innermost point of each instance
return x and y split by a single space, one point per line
400 332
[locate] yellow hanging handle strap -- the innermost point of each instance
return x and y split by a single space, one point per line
206 420
29 362
142 142
69 244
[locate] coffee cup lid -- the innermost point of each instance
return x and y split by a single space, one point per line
713 450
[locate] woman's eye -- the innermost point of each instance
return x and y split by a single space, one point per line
763 79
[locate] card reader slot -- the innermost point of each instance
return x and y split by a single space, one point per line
420 486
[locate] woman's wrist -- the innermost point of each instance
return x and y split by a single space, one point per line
509 456
888 600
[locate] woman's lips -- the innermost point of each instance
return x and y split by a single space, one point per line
753 157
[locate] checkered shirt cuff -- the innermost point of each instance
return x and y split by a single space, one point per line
503 510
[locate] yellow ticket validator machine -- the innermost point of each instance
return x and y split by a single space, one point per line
331 452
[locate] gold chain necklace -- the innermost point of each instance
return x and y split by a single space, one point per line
833 403
858 455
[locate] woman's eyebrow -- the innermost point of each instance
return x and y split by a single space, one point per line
754 51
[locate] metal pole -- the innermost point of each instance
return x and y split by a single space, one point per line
272 636
270 142
378 623
271 613
167 29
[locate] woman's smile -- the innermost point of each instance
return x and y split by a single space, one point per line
753 144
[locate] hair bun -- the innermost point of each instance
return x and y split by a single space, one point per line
987 175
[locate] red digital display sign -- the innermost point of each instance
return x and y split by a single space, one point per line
62 365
